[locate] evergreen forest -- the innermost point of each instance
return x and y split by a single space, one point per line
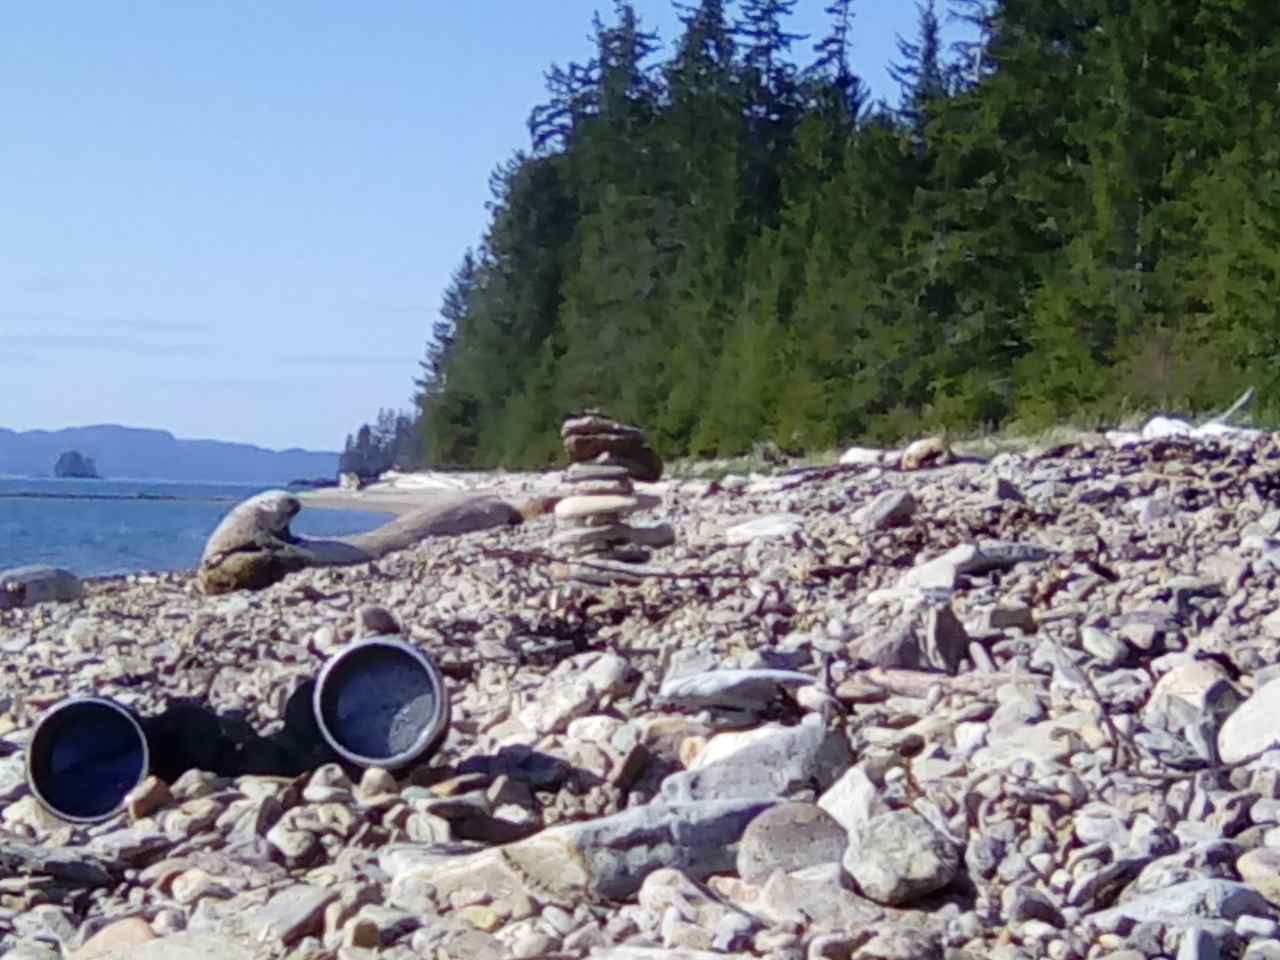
723 240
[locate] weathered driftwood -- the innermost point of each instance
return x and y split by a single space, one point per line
1225 417
253 546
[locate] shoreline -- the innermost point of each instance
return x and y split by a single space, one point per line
401 493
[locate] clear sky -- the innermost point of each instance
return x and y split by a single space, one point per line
235 218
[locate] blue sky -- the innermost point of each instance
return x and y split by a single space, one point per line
234 219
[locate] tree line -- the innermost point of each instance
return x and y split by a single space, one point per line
1075 214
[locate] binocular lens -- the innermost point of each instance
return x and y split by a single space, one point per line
85 757
381 703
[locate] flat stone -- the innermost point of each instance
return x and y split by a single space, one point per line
789 837
1186 901
611 856
970 559
748 693
290 915
587 424
588 446
661 535
621 487
766 527
697 752
578 508
587 472
868 457
794 762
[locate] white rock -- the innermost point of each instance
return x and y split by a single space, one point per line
1157 428
865 456
576 508
1252 728
773 525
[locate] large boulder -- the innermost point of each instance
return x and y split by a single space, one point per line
253 546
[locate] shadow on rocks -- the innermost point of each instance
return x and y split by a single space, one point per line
192 736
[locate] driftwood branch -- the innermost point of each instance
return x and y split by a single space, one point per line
1245 399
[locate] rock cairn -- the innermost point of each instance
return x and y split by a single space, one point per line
607 460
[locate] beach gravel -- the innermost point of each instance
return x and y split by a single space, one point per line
903 706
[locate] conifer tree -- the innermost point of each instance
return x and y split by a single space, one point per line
920 73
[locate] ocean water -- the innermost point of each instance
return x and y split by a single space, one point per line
106 527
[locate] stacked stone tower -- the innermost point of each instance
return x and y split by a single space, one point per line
607 461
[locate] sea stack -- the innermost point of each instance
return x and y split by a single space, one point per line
607 461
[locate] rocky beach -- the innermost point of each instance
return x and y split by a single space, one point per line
908 706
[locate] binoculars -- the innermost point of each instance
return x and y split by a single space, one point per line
378 702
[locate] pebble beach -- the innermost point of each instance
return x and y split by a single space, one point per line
898 708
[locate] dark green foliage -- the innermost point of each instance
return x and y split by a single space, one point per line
391 442
1076 215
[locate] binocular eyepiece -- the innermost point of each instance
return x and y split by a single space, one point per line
378 702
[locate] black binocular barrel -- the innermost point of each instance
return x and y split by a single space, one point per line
378 702
85 756
381 703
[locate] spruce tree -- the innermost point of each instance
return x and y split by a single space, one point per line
920 73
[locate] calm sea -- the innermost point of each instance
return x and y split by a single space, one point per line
101 527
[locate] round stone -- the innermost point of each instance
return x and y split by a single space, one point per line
788 837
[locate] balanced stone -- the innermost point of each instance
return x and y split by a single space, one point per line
584 472
578 508
596 488
657 536
594 436
595 423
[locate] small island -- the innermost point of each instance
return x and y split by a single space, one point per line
75 464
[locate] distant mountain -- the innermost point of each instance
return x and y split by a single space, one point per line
131 452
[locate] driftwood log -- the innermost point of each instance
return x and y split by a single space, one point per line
253 546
